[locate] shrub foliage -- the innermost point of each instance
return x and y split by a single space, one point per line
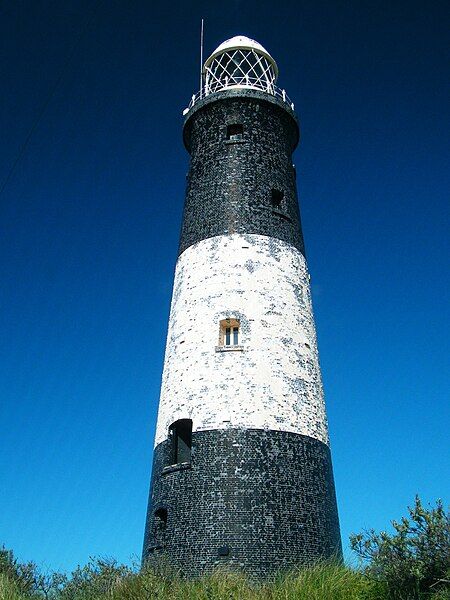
415 559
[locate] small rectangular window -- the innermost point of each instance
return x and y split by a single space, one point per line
229 332
181 434
159 528
234 132
277 198
161 519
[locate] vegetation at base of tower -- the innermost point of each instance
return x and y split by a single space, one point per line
413 563
415 558
322 582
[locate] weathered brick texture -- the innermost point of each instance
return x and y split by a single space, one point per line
230 182
257 492
266 495
274 381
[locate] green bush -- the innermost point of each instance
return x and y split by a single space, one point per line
414 561
21 576
100 576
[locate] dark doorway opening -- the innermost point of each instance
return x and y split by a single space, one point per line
181 441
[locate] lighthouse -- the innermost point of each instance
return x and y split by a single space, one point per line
242 474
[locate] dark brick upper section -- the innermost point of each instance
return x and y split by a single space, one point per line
230 182
257 500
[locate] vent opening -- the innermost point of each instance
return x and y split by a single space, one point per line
235 132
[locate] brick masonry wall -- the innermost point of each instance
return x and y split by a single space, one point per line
265 497
230 182
274 381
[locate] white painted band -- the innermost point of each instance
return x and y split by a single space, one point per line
273 381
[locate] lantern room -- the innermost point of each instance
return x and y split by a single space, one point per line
240 62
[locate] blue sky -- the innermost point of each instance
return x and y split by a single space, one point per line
90 219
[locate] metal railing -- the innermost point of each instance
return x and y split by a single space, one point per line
271 89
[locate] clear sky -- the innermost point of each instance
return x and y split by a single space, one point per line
90 219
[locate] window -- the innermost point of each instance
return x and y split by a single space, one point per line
159 528
234 132
276 198
160 521
231 336
180 434
229 332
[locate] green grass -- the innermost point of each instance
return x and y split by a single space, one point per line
321 582
8 591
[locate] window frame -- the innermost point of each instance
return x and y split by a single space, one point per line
229 333
234 132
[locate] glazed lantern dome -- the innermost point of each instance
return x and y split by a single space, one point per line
240 63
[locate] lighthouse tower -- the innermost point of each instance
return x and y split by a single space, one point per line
242 473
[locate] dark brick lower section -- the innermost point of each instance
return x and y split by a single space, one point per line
260 501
